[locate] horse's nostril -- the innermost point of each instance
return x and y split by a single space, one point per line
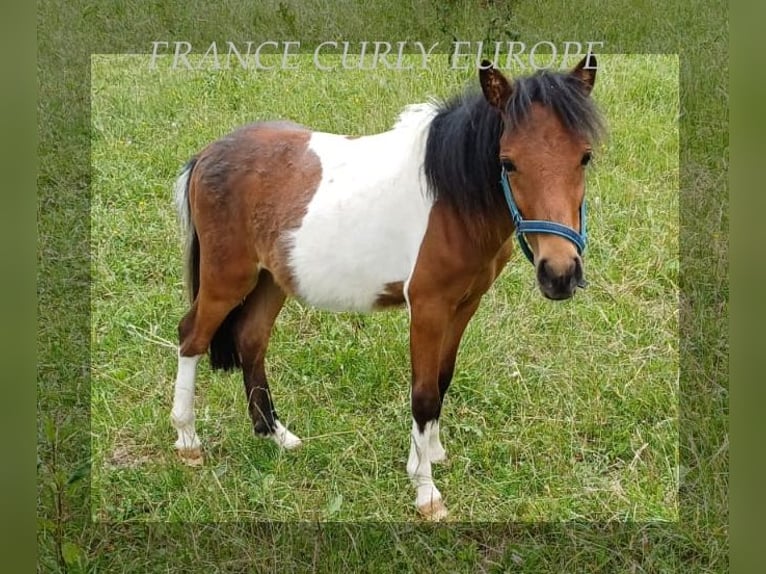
543 272
579 275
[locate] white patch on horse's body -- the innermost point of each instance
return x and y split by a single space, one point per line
284 437
182 414
365 223
428 498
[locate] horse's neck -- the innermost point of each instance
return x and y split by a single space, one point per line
480 237
497 232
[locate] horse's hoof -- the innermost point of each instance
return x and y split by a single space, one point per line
191 456
433 510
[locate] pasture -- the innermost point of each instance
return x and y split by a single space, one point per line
558 410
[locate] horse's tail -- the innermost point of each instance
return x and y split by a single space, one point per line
191 250
223 350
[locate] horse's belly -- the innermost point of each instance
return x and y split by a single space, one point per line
350 251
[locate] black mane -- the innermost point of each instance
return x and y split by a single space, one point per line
461 161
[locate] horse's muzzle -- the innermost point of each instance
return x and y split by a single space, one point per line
560 281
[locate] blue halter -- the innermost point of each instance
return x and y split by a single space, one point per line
540 226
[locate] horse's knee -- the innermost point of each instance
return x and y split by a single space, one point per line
251 346
188 344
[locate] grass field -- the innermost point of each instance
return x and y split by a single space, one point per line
558 411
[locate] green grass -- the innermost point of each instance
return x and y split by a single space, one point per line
558 411
68 541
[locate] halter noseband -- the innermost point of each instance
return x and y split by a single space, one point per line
541 226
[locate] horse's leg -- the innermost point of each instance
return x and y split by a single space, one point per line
450 347
252 338
195 331
429 323
182 415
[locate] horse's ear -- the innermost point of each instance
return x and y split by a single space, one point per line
585 71
496 88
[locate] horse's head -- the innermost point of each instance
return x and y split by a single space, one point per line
549 124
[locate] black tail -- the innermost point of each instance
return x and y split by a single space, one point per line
223 349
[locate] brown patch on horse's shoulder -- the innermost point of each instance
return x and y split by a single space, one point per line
392 295
457 260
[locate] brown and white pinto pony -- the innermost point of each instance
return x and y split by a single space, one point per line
413 216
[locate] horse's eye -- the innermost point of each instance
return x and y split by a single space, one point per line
585 158
508 165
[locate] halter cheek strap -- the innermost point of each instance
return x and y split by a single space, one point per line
541 226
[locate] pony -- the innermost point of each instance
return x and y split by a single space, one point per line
423 215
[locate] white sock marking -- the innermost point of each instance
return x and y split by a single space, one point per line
419 465
284 437
182 415
436 450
